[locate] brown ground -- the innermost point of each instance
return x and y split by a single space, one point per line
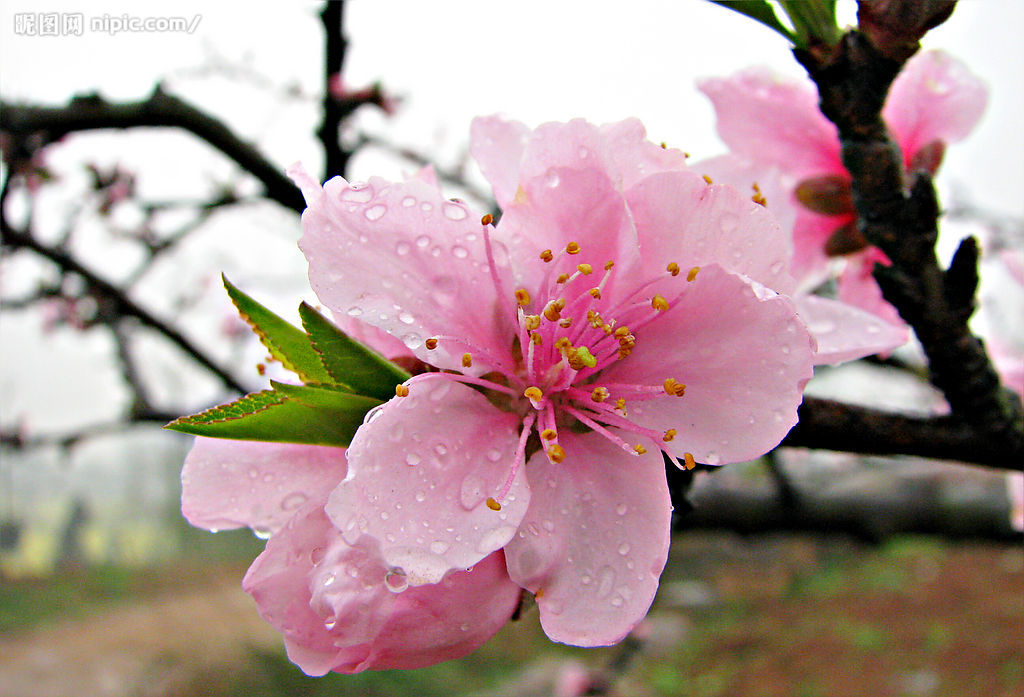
771 617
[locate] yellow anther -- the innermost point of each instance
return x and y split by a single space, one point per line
620 404
546 255
688 461
551 312
562 278
586 357
673 268
560 304
606 328
562 343
758 197
674 388
659 303
487 219
522 297
573 356
595 293
492 504
534 394
663 146
539 594
623 352
401 391
548 434
621 332
565 322
669 435
556 453
536 339
707 179
693 273
467 360
585 269
640 450
572 248
430 344
531 322
608 265
599 394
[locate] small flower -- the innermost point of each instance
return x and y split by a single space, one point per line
548 444
771 123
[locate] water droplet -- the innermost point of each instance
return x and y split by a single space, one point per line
873 329
459 252
454 211
426 207
329 624
293 501
493 454
412 459
495 539
405 318
621 509
616 601
329 580
384 515
395 580
438 547
262 532
408 202
472 492
360 193
552 179
729 223
375 212
586 580
422 241
584 153
441 449
421 496
777 267
548 525
624 549
606 579
412 341
823 326
402 248
785 349
354 311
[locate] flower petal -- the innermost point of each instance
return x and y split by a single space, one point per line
935 98
845 333
402 258
420 472
594 541
634 156
774 121
744 356
231 483
680 218
497 145
333 606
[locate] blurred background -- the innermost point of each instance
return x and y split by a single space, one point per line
913 587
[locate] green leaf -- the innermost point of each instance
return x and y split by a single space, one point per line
348 361
286 343
313 415
814 20
761 11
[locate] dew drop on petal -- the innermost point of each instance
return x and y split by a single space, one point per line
375 212
606 579
408 202
777 267
395 580
548 525
552 179
329 580
293 501
441 449
621 509
454 211
262 532
422 241
372 414
402 248
493 454
412 341
624 549
495 539
472 492
329 624
355 311
421 496
405 317
729 222
412 459
360 193
438 547
459 252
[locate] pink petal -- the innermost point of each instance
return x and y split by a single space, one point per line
401 258
680 218
333 605
845 333
231 484
634 156
744 356
497 145
935 98
811 266
857 286
594 541
774 121
420 472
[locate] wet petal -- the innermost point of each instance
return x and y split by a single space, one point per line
744 356
594 541
231 483
402 258
497 145
332 603
421 471
634 156
680 218
774 121
935 98
844 333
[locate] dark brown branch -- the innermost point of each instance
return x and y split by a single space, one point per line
92 112
335 46
901 218
828 425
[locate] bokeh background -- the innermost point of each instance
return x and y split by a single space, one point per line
104 590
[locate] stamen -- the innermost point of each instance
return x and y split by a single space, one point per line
707 179
562 278
673 268
585 356
522 297
549 434
552 311
431 344
758 197
688 461
556 453
669 435
534 394
608 265
673 388
401 391
595 293
599 394
467 360
466 379
640 450
693 273
572 248
520 457
587 421
585 269
659 303
487 219
565 322
531 322
492 504
546 255
536 339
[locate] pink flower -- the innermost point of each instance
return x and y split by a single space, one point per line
773 123
621 309
336 604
